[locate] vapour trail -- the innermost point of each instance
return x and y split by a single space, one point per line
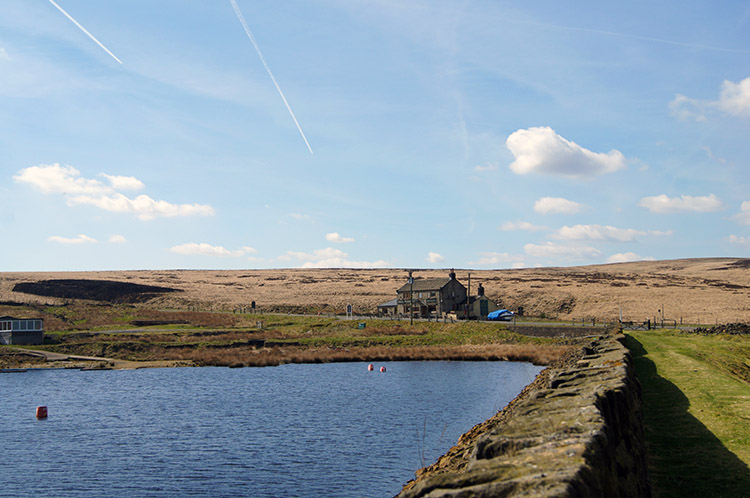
631 36
84 30
268 70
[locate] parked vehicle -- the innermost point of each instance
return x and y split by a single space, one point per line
501 316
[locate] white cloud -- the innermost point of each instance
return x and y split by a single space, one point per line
743 217
203 249
557 205
683 204
737 239
552 250
541 150
81 239
627 257
498 258
734 99
338 239
143 206
685 108
602 233
434 257
3 54
299 216
487 167
117 239
711 154
510 226
56 179
330 258
67 180
124 182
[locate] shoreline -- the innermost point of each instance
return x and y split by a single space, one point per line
247 357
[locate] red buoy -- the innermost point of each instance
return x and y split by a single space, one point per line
41 412
382 369
370 367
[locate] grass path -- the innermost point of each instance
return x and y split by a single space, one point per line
696 399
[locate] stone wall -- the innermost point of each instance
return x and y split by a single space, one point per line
576 431
22 338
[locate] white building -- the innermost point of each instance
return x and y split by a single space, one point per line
21 330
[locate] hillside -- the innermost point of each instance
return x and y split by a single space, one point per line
703 291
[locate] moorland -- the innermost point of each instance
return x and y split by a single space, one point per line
205 317
695 291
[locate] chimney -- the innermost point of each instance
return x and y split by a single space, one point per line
452 274
480 290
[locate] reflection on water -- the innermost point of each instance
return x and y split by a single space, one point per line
294 430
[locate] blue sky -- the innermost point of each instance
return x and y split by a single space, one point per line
479 134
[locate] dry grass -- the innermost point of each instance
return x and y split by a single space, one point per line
699 291
537 354
313 339
15 359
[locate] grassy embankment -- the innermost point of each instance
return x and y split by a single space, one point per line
696 394
228 339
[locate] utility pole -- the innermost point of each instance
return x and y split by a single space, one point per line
468 297
411 297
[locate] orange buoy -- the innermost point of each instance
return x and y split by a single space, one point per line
370 367
382 369
41 412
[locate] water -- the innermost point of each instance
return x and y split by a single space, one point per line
289 431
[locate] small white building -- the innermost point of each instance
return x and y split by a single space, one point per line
28 331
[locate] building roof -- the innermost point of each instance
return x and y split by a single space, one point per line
425 284
390 304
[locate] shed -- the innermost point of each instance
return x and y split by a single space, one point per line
388 308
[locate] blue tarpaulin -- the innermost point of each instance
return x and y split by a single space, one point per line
502 315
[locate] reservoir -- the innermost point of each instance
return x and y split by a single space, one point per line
335 430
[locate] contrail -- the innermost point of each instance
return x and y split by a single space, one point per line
278 88
665 41
84 30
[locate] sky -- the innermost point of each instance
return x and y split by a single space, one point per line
142 134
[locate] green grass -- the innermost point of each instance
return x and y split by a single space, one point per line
696 400
315 331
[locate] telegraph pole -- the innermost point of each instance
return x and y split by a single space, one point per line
411 297
468 297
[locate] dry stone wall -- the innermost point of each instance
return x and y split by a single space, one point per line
577 431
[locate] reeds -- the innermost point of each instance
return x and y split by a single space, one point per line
534 353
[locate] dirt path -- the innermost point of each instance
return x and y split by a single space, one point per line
47 359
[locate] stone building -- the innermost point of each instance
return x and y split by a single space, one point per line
431 297
480 305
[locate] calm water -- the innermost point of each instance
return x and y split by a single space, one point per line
289 431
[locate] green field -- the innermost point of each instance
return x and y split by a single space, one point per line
696 395
128 333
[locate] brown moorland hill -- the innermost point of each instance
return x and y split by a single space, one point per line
698 291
